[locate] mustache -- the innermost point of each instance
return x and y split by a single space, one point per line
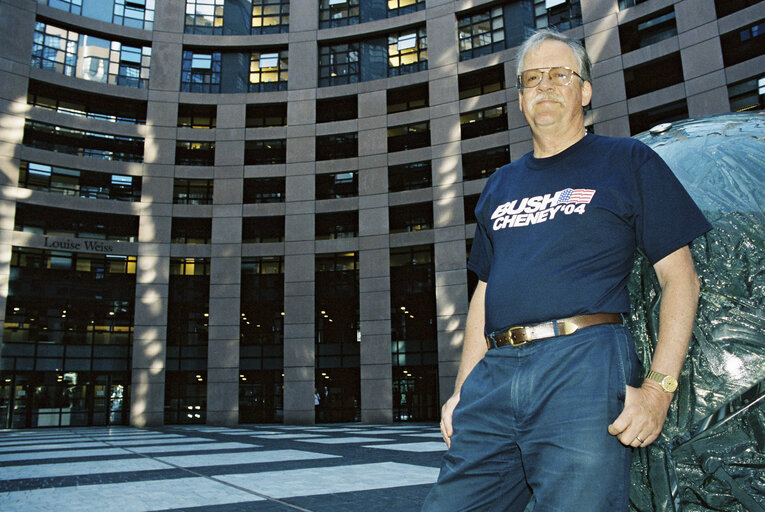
548 96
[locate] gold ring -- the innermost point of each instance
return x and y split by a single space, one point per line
638 438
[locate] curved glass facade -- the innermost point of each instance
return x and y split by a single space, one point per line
213 208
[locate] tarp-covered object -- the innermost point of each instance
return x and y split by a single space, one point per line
711 454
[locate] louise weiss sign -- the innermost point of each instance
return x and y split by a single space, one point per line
75 244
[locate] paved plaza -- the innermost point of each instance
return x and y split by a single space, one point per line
264 468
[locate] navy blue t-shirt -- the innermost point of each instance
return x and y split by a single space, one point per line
556 236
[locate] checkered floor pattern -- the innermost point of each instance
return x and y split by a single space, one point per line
264 468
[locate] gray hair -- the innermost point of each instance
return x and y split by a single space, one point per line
580 53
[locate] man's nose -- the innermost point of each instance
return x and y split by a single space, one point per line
545 81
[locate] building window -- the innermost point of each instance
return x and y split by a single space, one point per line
72 182
190 152
44 220
408 98
407 52
337 185
130 13
268 71
747 95
483 122
481 82
410 136
261 332
337 310
55 49
204 17
413 307
258 230
201 72
642 121
191 230
626 4
654 75
482 164
188 319
190 267
339 64
261 391
726 7
265 152
337 109
261 327
43 307
410 217
266 114
648 30
333 225
193 115
481 33
91 106
743 44
82 143
399 7
338 13
129 72
469 203
185 397
134 13
409 176
338 145
270 16
263 190
560 15
262 316
89 57
192 191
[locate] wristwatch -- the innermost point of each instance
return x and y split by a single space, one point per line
668 382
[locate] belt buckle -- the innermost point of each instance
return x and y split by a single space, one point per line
513 343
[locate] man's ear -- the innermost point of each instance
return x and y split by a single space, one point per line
520 100
586 93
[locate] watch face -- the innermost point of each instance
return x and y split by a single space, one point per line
669 383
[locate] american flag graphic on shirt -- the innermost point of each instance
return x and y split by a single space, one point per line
575 195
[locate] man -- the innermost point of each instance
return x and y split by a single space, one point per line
546 406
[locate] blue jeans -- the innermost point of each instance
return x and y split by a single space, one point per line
532 424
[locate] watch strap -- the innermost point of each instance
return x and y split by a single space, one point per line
667 382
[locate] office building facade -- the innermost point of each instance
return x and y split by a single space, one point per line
214 211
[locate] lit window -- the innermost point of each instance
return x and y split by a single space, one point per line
201 61
407 41
269 60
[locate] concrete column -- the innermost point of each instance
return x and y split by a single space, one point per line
299 260
225 271
153 261
374 261
17 23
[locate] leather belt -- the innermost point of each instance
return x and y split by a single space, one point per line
517 336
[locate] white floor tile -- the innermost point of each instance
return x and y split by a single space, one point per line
334 479
143 496
62 454
50 446
344 440
429 446
194 447
296 437
256 457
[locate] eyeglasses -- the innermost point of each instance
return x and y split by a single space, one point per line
560 75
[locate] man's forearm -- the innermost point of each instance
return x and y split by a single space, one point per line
474 344
679 300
